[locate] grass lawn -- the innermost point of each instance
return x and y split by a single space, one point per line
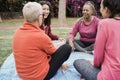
8 27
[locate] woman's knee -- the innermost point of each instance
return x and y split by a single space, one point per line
80 63
77 63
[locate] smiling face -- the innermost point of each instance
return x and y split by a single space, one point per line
46 10
87 11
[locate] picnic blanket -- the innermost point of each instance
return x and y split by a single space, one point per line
8 70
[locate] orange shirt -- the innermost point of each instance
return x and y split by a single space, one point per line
32 48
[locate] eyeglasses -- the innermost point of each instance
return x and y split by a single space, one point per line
40 14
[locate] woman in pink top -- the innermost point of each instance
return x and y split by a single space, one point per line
87 29
106 65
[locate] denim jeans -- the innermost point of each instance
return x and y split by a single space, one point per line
81 46
86 69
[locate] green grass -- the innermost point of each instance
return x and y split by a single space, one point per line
8 27
10 23
5 44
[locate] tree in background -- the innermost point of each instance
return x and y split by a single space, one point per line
62 13
73 7
0 19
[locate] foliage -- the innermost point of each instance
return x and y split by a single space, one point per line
73 7
11 5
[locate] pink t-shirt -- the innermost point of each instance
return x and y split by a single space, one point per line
87 32
107 49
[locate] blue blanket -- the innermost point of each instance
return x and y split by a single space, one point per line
8 71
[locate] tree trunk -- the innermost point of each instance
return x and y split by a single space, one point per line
0 19
62 13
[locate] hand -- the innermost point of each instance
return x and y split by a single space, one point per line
61 39
72 45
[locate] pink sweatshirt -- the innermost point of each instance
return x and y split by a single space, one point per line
107 50
87 32
49 32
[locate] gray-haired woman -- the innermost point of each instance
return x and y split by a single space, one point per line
36 57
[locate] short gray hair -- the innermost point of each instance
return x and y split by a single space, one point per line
91 4
31 11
